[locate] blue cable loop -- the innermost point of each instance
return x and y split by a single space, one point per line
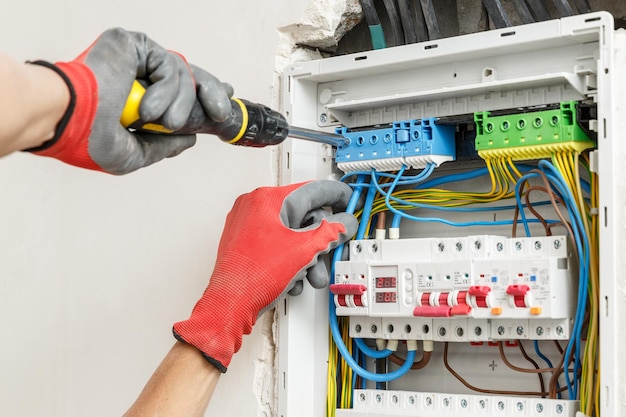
334 324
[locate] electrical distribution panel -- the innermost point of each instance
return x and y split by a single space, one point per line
524 93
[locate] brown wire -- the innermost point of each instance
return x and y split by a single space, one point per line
536 370
482 390
416 365
542 384
381 223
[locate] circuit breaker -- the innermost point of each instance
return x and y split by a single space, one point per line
431 127
476 288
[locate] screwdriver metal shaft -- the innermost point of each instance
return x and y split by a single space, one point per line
319 137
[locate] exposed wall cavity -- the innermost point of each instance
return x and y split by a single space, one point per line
324 23
321 28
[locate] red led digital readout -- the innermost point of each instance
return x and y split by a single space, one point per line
386 282
385 297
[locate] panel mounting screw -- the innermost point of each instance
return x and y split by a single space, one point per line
323 118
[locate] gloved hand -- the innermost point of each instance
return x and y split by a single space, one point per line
90 134
262 252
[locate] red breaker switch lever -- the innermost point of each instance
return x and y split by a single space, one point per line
520 294
479 295
348 289
348 294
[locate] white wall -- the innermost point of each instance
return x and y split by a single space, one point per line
94 268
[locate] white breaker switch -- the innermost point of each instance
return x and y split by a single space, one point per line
475 288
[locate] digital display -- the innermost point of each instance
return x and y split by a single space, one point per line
386 282
386 297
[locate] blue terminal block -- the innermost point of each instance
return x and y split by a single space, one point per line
414 143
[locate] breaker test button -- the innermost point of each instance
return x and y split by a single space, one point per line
535 311
496 311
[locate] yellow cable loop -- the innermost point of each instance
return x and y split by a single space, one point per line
590 352
347 371
331 390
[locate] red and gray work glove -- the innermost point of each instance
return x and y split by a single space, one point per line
263 252
90 134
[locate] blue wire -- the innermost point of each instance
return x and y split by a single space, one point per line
367 210
548 362
372 353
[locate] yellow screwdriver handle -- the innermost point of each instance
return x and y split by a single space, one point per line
130 113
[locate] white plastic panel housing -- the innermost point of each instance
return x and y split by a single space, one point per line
579 58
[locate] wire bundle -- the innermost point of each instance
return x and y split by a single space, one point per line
573 200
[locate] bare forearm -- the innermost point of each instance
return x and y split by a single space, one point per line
33 100
180 387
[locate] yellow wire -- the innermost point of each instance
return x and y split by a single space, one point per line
331 391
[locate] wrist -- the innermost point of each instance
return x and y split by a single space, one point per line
69 102
71 136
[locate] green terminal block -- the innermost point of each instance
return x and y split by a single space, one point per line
533 135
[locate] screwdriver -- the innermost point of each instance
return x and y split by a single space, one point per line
248 124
